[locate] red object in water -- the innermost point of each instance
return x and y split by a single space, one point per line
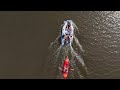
65 68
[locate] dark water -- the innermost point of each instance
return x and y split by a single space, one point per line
26 36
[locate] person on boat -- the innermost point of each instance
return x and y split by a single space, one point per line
66 67
68 34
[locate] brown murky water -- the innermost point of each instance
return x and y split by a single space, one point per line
26 36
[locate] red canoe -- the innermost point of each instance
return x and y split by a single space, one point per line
65 68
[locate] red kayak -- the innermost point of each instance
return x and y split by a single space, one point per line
65 68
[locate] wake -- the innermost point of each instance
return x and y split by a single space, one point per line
57 54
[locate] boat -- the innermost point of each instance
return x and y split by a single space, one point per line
65 68
67 33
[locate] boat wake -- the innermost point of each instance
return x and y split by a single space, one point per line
57 54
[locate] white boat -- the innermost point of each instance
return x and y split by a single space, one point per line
67 33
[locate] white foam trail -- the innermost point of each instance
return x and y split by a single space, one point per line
80 59
73 64
54 42
77 42
76 68
58 53
77 56
71 51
